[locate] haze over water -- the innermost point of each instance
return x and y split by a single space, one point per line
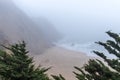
80 21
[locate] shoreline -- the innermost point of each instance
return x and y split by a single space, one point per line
62 61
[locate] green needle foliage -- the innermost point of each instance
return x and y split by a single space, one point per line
17 65
96 69
60 77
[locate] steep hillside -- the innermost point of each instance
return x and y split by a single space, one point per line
46 26
15 25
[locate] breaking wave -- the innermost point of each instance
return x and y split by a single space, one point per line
86 47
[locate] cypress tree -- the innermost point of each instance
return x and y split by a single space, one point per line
17 65
96 69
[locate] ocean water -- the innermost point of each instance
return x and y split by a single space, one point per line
86 47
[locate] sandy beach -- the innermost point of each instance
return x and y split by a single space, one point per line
62 61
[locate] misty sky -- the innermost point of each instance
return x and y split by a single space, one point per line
79 18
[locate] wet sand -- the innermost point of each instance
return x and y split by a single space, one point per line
62 61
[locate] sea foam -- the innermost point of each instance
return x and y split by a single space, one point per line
87 47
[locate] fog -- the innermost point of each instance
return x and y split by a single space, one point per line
16 26
82 20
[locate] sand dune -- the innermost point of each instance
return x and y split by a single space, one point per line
62 61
